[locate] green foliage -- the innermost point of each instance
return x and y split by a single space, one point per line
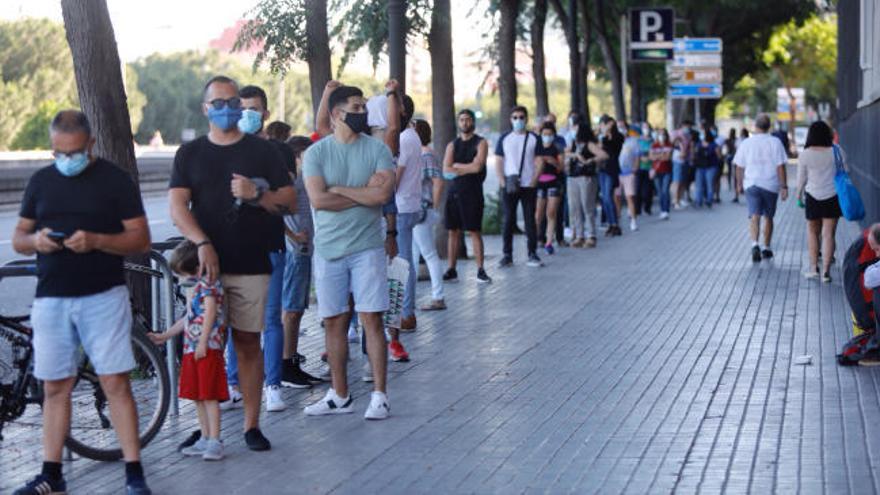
493 215
17 103
279 26
805 55
34 134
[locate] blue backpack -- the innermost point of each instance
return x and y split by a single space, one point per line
847 195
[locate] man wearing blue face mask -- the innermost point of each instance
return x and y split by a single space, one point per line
81 300
215 204
515 166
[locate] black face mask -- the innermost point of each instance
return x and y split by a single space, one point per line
357 122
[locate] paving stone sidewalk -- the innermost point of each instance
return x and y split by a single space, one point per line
659 362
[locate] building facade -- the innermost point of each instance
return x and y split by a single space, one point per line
858 87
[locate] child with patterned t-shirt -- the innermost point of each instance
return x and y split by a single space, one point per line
202 370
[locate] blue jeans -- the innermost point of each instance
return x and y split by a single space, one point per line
661 183
606 184
405 224
705 185
273 334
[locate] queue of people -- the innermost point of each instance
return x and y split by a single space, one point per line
265 214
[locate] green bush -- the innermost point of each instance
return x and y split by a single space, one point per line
493 215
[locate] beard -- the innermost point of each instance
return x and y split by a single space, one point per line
466 130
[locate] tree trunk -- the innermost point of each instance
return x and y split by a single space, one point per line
585 57
318 46
442 92
98 73
507 61
568 19
635 99
397 41
611 63
537 37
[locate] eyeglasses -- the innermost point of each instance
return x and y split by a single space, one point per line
518 117
233 103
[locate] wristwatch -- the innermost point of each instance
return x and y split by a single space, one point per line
391 233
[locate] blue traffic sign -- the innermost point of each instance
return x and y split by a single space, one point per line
695 91
698 45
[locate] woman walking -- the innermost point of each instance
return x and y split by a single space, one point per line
815 181
583 185
729 153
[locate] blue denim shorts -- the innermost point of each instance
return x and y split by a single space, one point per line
761 202
100 323
297 282
364 275
678 171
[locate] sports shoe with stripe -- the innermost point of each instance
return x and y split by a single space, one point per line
330 404
42 485
378 408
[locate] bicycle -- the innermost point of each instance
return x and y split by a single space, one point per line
91 434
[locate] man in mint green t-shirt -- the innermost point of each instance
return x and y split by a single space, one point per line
349 176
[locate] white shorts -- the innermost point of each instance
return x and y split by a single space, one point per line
364 275
628 184
100 323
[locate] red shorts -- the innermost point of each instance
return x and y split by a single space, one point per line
204 379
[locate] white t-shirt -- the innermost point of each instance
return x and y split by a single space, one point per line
760 155
510 146
409 188
377 111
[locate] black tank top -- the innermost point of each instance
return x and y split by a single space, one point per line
464 152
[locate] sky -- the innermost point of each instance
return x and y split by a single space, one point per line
146 27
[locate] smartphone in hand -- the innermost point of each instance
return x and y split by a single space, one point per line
58 237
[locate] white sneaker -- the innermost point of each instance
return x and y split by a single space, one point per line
236 401
368 371
213 450
684 203
195 449
274 401
330 404
664 215
353 334
633 225
378 408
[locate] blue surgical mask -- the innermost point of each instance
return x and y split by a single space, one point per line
71 165
449 175
547 140
518 125
251 121
225 118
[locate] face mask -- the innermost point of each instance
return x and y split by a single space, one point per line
225 118
251 121
655 136
357 122
71 165
518 125
571 122
547 140
449 175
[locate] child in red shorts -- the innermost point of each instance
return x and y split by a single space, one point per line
202 370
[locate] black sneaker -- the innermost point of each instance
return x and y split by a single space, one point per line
756 254
256 441
767 254
482 278
534 261
451 275
292 376
300 359
190 440
42 484
137 486
506 261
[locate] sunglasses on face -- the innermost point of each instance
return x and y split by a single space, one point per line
233 103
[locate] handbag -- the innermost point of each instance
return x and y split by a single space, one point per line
511 182
848 196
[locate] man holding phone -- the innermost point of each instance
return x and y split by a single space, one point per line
81 216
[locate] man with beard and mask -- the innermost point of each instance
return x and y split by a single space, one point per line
230 217
81 215
349 176
464 164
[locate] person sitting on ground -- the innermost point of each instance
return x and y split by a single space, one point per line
861 284
202 369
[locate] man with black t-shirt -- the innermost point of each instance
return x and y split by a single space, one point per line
465 165
217 202
81 216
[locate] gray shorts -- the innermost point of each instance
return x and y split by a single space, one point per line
364 275
99 323
761 202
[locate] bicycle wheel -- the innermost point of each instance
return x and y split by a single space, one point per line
91 431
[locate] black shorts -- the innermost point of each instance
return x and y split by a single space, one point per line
549 190
819 209
464 210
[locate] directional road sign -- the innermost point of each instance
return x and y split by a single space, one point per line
695 91
686 59
704 75
698 45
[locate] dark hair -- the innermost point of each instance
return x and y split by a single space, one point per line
185 258
820 134
468 112
423 129
70 122
340 96
744 132
605 118
687 122
299 144
548 125
732 133
519 108
278 131
219 80
585 134
763 122
875 232
409 108
254 92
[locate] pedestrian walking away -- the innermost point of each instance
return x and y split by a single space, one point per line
225 188
760 175
81 215
729 148
464 167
